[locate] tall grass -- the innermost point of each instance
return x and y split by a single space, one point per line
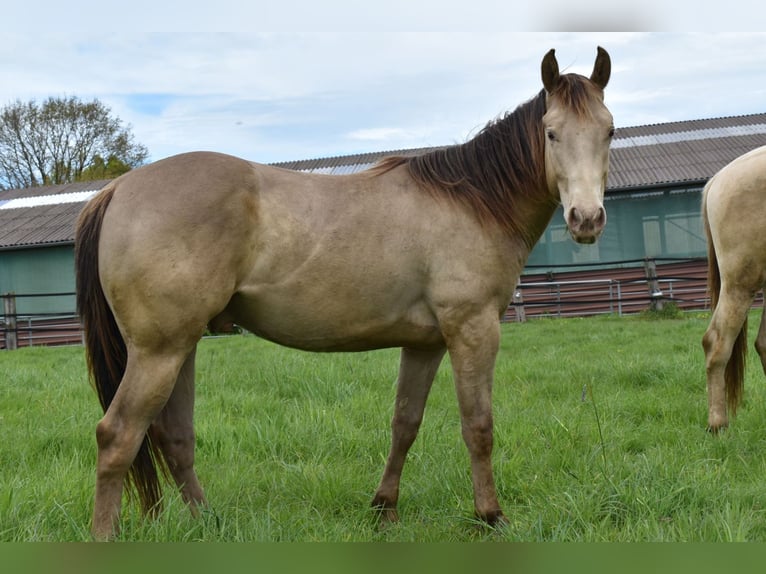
599 436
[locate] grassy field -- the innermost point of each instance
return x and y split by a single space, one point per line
600 436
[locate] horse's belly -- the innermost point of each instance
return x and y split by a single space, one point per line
337 325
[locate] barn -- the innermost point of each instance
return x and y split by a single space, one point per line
654 187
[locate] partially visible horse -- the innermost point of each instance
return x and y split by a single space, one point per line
733 203
421 253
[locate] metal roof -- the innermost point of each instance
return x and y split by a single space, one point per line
640 156
34 226
675 153
79 186
42 215
680 152
40 200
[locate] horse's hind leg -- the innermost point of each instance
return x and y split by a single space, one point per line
145 388
760 341
173 430
417 370
718 342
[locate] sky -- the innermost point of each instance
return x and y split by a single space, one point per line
274 92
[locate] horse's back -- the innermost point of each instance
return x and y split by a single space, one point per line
735 211
740 182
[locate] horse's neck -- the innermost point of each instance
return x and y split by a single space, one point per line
536 214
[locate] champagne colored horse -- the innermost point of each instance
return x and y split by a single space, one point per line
420 253
732 208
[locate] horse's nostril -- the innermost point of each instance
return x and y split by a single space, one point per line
574 217
601 217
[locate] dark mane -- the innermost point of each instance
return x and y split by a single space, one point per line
503 164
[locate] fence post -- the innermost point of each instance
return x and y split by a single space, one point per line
518 304
655 293
9 312
619 299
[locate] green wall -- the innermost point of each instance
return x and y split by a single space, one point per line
36 271
664 223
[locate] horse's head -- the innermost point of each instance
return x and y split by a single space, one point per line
578 129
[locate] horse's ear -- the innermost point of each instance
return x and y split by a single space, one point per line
602 69
550 71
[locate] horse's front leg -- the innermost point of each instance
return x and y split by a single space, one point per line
417 370
473 346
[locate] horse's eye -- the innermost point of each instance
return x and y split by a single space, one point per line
611 132
551 135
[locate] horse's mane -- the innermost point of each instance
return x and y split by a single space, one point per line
502 164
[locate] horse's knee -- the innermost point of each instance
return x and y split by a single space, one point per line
405 427
478 435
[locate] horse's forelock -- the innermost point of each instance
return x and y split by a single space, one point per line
575 93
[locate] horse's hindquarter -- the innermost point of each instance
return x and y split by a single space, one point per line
358 262
172 241
734 201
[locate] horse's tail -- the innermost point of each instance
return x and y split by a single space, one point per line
734 374
105 348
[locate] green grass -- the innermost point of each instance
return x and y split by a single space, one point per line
599 436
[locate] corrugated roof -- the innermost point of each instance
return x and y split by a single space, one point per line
44 225
675 152
691 125
6 194
348 163
40 200
680 153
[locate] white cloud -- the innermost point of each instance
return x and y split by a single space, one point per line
386 134
285 96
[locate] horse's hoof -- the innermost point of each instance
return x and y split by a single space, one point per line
717 428
494 518
388 517
387 514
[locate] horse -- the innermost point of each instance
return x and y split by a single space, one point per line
732 205
420 252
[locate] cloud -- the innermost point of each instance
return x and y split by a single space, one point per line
386 134
293 95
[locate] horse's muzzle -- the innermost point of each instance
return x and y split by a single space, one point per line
586 226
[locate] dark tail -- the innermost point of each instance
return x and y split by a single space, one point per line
104 346
734 375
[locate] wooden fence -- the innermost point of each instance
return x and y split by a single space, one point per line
30 330
555 292
630 289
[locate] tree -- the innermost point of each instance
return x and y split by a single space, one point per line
102 168
63 140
